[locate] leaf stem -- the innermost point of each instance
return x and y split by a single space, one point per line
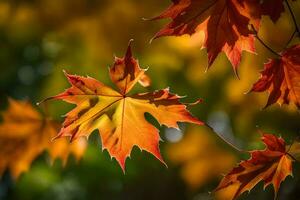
291 156
290 39
287 152
225 140
293 16
263 43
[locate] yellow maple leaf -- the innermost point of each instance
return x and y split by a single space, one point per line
25 134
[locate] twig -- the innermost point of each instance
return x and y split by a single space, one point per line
293 16
291 37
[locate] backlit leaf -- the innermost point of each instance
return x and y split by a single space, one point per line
225 24
118 115
271 166
281 78
25 134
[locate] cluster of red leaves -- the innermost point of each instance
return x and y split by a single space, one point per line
227 27
230 26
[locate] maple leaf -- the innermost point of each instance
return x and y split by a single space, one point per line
25 134
225 23
62 148
272 8
281 77
117 115
271 165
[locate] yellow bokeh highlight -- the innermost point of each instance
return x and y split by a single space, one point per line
200 156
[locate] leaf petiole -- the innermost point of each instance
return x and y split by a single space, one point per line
293 16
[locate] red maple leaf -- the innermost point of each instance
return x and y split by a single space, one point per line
273 8
281 77
225 23
271 165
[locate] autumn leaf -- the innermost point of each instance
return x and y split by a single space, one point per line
272 8
118 115
281 77
225 23
62 148
271 166
25 134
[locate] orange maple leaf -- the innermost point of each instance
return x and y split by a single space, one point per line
281 78
271 165
25 134
225 23
119 116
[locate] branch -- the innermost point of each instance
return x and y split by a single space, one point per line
291 38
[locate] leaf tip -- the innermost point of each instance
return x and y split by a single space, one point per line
65 72
128 51
198 101
44 100
55 138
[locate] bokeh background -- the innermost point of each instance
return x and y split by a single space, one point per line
40 38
